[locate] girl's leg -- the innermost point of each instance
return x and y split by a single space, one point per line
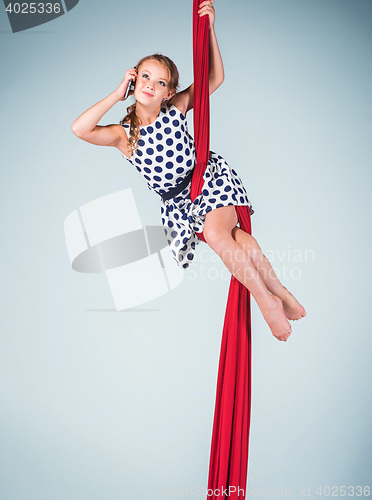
292 308
217 232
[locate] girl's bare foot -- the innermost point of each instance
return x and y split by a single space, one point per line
292 308
275 318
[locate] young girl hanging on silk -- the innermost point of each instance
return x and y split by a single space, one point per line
153 137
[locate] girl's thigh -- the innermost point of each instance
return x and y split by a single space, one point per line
222 219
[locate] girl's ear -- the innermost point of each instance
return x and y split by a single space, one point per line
170 94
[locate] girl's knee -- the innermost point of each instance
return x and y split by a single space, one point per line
215 236
245 239
253 244
252 248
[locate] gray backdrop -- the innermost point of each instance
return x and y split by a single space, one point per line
99 404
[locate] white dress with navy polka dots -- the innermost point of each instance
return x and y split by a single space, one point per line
165 155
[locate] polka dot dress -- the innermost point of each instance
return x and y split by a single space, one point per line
165 155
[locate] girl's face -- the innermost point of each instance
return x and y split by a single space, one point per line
152 83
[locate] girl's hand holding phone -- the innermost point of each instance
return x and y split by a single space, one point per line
130 75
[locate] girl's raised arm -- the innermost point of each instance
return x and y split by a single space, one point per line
184 100
85 127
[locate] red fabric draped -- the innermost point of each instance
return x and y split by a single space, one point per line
230 437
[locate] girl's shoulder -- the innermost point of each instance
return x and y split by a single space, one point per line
172 111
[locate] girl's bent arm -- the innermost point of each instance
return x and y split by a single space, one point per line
85 127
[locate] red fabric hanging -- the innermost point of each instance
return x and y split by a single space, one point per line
230 437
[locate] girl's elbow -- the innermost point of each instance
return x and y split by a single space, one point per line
219 82
75 130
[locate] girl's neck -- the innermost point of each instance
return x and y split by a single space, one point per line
146 114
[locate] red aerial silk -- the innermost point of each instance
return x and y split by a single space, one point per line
230 438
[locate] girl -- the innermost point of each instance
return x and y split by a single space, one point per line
153 137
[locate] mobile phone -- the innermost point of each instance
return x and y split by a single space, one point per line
131 86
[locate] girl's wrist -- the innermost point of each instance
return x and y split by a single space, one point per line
116 95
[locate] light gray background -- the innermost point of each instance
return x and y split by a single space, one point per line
97 404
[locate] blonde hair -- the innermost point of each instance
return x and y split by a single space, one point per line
131 117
